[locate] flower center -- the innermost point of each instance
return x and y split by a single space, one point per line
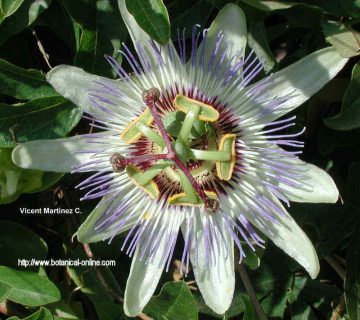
182 150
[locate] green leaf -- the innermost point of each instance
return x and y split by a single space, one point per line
253 258
307 296
349 117
88 282
56 18
17 242
28 288
41 314
257 40
5 290
62 310
250 312
42 118
48 179
271 281
174 296
184 14
343 38
152 17
237 306
14 180
335 232
23 84
109 311
304 17
102 31
8 7
337 7
352 279
22 18
331 140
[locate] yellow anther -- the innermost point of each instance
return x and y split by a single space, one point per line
150 187
206 113
224 169
183 200
132 133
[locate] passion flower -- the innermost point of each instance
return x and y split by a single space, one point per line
195 146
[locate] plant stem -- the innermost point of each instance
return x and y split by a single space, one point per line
339 309
336 266
251 292
151 104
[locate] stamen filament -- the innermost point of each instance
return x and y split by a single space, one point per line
188 124
145 177
151 134
188 188
210 155
193 182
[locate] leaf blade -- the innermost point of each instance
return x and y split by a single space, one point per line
50 117
28 288
23 84
152 17
349 116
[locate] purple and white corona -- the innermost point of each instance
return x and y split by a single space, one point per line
193 146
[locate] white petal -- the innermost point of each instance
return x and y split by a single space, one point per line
215 281
289 237
302 79
75 84
318 187
53 155
232 22
143 278
142 282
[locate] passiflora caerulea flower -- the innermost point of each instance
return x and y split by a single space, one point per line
194 146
